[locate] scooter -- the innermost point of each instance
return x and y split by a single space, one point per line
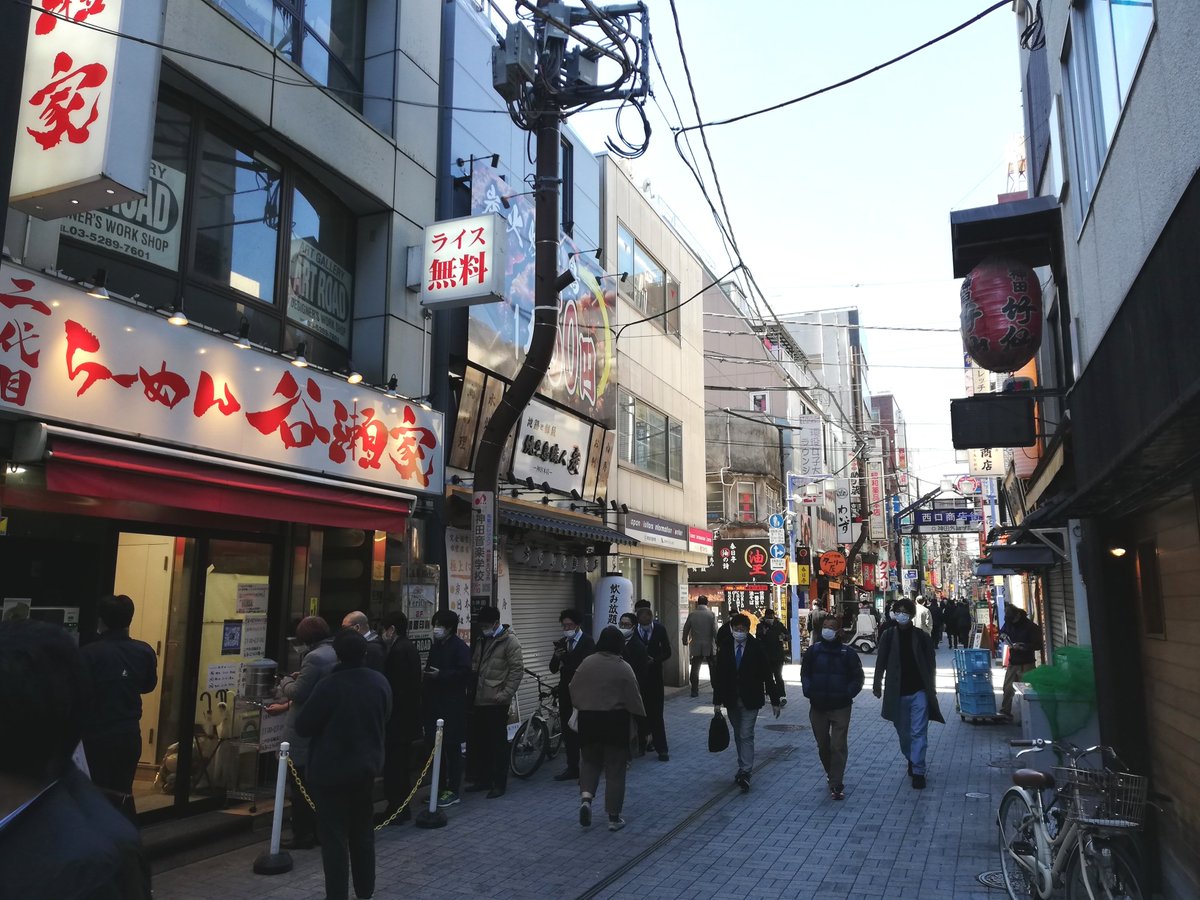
864 639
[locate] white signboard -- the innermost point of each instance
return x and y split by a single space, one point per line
986 461
810 445
223 676
119 369
878 515
147 228
254 637
465 261
319 291
483 541
458 578
252 597
551 448
842 511
87 108
270 732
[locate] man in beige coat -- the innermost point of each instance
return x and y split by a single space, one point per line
498 666
700 633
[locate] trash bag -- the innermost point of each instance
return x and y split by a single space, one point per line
718 733
1067 690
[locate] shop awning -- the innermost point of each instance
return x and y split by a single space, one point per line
1029 230
108 471
561 525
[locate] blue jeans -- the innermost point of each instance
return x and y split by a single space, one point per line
912 726
743 720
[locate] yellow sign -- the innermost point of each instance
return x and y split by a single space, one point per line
803 575
3 525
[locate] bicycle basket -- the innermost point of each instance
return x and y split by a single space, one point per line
1105 799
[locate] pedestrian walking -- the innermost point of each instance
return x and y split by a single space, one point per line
498 666
59 836
964 623
938 611
742 683
376 649
605 692
119 670
569 651
832 676
773 636
910 701
923 618
1024 640
699 636
658 651
316 662
635 651
402 669
346 720
447 677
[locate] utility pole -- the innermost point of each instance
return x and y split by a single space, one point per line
14 35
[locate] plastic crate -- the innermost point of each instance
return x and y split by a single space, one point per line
976 660
977 704
976 685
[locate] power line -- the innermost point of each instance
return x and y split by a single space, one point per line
788 321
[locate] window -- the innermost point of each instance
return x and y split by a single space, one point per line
650 440
758 402
1150 590
650 288
323 37
745 503
624 259
566 173
715 501
319 263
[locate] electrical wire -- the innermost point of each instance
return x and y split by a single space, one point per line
678 305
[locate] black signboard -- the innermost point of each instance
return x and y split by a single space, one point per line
736 560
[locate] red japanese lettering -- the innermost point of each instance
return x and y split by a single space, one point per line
293 434
473 266
15 334
360 433
14 385
53 10
167 388
206 398
413 441
12 301
80 339
63 102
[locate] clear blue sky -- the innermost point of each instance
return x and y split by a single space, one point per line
854 187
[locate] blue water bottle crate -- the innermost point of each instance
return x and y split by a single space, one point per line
976 684
977 704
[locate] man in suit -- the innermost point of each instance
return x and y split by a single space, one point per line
700 635
772 634
573 648
742 680
402 669
658 651
376 648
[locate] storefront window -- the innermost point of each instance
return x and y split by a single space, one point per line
319 279
650 440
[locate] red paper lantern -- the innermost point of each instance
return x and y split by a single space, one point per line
1001 314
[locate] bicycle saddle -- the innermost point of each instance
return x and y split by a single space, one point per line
1033 779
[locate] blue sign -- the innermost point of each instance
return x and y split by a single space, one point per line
778 576
776 521
778 551
946 521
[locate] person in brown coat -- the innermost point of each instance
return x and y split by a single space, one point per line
605 692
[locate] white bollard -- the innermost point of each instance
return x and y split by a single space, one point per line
275 861
434 817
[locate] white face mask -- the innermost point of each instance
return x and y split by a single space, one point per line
626 632
828 634
439 633
570 635
491 632
740 636
903 618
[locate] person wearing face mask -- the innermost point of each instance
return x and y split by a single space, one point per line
402 669
499 666
700 635
910 701
772 633
569 651
447 675
635 651
832 676
658 651
317 661
741 682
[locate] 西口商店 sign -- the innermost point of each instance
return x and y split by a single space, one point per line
464 261
67 357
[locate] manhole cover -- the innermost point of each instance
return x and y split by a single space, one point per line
782 727
977 795
993 880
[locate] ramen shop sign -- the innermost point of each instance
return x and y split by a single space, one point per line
465 261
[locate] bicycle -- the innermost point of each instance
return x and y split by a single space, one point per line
1081 839
539 736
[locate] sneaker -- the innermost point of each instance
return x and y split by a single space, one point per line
615 823
585 812
838 793
447 798
663 757
695 693
743 781
919 782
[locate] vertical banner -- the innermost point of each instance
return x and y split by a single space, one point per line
878 512
810 446
841 512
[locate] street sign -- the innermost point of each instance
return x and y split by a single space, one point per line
776 521
946 521
778 576
483 541
775 535
778 551
833 563
910 574
778 564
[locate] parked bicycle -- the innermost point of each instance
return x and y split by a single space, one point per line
540 735
1072 830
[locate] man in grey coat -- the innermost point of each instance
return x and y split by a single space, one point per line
910 701
700 633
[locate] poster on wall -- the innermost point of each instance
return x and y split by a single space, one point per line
254 637
251 597
458 578
319 292
231 637
420 603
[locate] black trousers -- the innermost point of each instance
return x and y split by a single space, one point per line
776 670
695 673
397 773
112 761
347 831
304 820
487 745
653 697
570 738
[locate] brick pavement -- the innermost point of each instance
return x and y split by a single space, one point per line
691 833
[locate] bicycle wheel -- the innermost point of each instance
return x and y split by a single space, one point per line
1104 870
554 737
1018 846
528 748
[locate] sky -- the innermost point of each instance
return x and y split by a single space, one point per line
844 199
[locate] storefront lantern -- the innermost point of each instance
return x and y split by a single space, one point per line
1001 314
612 599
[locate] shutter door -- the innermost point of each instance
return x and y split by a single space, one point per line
537 599
1060 596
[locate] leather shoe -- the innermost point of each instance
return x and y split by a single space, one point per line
494 793
663 757
476 788
567 775
919 782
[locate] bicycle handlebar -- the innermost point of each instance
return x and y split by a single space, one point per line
1074 752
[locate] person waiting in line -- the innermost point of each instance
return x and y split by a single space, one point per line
700 637
773 635
605 692
346 720
316 661
447 675
119 669
832 676
499 666
1025 639
59 836
910 701
742 681
402 669
658 651
569 651
635 651
376 648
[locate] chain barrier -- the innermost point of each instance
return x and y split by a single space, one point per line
403 806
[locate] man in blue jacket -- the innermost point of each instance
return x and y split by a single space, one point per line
832 676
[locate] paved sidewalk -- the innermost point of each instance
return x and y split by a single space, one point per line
691 833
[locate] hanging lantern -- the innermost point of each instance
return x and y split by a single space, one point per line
1001 314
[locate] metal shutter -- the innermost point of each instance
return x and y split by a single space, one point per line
1060 602
537 599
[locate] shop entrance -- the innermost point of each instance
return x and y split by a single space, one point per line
202 603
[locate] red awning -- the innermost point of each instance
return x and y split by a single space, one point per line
98 470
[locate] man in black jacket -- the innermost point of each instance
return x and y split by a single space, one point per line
447 676
346 717
741 679
773 635
573 648
119 670
376 648
658 651
402 669
832 676
1025 639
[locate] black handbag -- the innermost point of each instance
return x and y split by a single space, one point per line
718 733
